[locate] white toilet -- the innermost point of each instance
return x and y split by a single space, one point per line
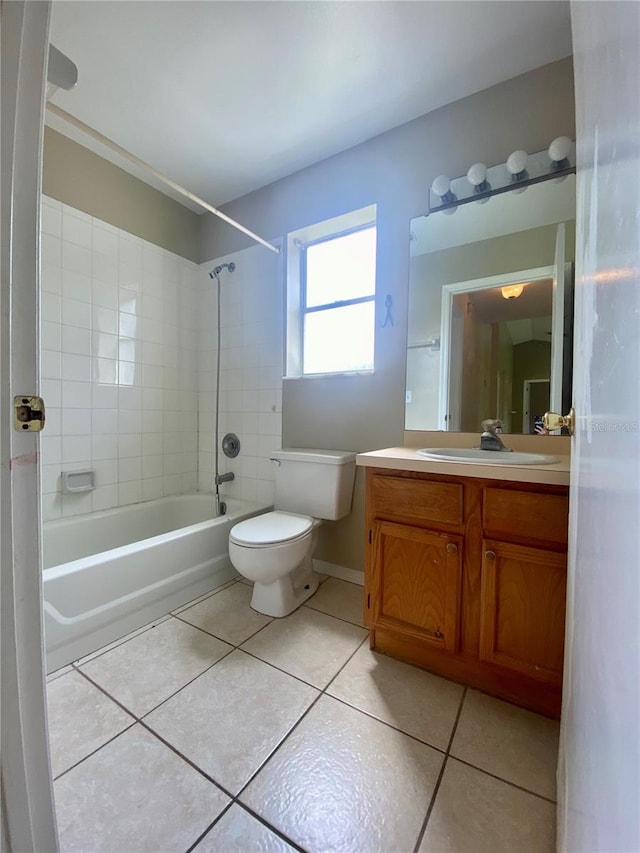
274 550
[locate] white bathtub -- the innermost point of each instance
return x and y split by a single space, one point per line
111 572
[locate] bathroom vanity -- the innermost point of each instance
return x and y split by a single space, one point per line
466 571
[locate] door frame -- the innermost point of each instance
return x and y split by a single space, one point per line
449 291
28 817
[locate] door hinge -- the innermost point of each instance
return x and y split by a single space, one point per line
28 413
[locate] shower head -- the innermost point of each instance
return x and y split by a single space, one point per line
217 270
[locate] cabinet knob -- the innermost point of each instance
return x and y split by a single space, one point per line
490 555
452 548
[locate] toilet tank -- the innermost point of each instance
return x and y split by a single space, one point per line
318 483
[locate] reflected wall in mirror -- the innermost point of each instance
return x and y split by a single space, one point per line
491 311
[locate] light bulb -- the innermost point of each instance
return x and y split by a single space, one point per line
477 174
512 291
517 162
441 185
559 149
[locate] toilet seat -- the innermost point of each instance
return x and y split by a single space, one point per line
271 528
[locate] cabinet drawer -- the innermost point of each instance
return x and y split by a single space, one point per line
401 499
528 514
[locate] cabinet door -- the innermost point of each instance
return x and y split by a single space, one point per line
523 594
416 582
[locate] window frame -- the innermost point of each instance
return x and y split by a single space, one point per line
341 303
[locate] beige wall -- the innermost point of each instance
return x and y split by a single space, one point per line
76 176
394 171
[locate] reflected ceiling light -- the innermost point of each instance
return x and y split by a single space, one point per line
512 291
559 150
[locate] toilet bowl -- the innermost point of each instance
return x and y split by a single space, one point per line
274 551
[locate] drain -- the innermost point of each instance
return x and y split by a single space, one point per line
231 445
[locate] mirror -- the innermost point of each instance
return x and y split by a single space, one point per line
490 327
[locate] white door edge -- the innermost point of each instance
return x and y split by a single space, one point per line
27 802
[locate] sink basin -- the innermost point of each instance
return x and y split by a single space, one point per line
486 457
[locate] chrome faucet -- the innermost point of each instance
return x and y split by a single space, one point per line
490 440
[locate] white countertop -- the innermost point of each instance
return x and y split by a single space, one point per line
407 459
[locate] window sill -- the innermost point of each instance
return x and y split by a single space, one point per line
329 375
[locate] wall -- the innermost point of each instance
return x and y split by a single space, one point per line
118 364
76 176
394 171
531 360
251 302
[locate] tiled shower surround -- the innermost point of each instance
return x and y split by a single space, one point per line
128 366
251 360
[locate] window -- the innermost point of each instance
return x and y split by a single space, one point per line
334 275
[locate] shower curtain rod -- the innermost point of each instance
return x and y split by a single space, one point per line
104 140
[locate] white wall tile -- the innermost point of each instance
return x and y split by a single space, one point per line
76 230
76 395
76 448
50 364
77 368
76 340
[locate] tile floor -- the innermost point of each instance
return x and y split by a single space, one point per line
219 730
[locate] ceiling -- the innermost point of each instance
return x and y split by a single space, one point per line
226 97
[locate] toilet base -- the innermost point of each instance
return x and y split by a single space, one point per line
283 596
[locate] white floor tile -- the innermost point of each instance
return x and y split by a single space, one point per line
227 615
346 783
339 598
307 644
475 813
514 744
239 832
144 671
134 794
417 702
81 719
230 719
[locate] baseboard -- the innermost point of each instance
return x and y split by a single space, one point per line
342 572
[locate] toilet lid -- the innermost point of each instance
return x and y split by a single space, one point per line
270 528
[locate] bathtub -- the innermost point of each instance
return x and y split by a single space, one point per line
110 572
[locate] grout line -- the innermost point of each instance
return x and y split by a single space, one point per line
216 636
93 752
270 827
440 775
180 689
108 695
297 723
388 725
506 781
185 759
340 618
209 828
117 643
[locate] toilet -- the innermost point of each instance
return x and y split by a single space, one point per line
274 549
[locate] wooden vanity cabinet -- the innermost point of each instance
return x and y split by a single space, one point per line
466 577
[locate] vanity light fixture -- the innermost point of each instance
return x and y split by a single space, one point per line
520 171
559 151
441 186
477 177
517 165
512 291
